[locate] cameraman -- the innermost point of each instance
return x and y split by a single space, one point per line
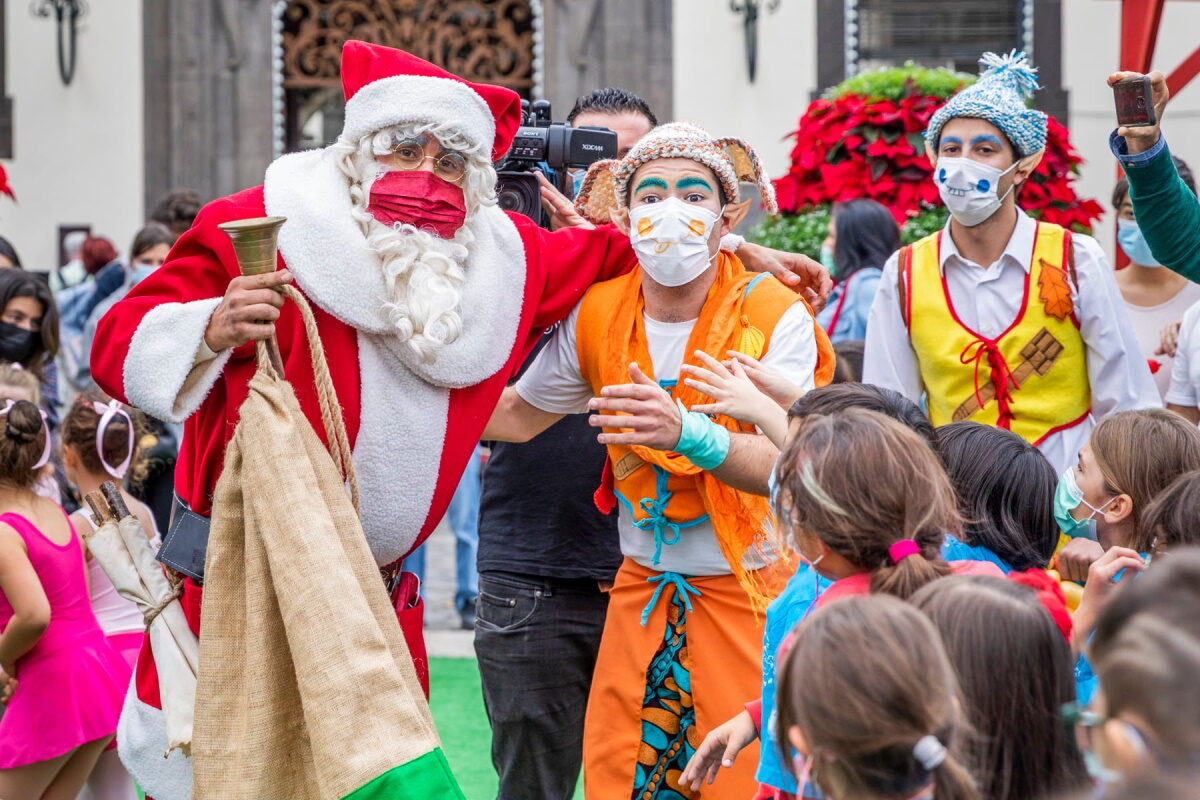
546 560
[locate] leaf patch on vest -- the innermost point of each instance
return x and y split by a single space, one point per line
627 466
1054 291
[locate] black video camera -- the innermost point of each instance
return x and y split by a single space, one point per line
539 144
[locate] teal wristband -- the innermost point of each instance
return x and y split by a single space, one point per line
701 441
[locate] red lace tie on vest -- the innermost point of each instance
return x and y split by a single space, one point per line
1001 377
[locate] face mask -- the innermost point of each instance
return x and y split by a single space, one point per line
138 272
968 188
1067 498
1129 236
418 198
16 343
577 181
670 239
827 259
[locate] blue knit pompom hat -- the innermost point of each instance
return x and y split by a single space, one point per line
999 97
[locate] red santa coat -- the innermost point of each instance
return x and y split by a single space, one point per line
412 426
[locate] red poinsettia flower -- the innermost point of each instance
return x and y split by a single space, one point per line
4 187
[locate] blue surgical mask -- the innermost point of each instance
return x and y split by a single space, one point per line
773 484
1068 497
1130 237
827 259
138 272
577 181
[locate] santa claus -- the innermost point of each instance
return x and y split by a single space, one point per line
427 297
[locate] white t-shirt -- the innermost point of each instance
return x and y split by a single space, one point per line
1148 322
1185 372
554 383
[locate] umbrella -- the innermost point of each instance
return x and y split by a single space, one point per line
120 546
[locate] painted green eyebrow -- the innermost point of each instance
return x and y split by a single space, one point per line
684 183
655 182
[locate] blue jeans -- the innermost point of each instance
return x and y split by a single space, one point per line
463 517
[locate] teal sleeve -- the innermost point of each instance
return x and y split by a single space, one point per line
1167 213
701 441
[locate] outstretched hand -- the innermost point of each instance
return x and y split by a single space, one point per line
769 382
643 410
1141 139
735 395
719 749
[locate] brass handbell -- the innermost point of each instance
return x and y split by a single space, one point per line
254 243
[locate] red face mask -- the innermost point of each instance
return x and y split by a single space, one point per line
419 198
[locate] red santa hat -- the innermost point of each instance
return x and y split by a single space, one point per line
385 86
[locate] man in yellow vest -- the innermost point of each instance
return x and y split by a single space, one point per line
682 642
999 318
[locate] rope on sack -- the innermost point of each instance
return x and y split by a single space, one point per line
176 592
331 409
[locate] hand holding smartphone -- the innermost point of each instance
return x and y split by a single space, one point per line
1135 105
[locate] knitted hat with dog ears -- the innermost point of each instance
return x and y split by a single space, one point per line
999 97
606 186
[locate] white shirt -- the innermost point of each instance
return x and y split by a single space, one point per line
554 383
1185 372
989 299
1148 322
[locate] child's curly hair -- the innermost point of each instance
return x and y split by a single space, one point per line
79 430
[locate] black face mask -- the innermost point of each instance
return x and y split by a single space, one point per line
16 343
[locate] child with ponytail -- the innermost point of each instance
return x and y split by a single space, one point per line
99 444
866 504
63 682
869 706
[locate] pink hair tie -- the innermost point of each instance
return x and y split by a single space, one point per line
903 549
45 457
107 413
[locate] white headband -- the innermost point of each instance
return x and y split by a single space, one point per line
8 405
107 413
929 752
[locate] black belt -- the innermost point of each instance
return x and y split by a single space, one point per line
186 543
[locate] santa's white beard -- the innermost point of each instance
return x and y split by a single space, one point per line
424 276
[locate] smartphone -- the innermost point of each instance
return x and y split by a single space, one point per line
1135 109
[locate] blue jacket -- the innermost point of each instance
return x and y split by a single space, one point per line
852 312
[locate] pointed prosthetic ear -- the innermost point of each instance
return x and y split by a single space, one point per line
748 169
1029 163
735 213
597 197
620 218
930 152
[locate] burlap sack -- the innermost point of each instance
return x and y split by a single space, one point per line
306 688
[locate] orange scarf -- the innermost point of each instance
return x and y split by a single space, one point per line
740 520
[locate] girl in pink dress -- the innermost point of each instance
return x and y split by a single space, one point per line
63 682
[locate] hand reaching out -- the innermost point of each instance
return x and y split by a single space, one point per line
719 749
560 208
643 409
735 395
770 383
1141 139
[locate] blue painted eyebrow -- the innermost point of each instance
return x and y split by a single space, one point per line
949 139
655 182
684 183
986 137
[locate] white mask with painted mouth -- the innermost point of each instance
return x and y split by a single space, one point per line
968 188
670 238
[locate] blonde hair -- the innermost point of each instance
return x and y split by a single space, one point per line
12 376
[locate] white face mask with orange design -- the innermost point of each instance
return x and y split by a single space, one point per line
670 238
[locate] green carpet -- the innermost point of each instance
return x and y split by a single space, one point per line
457 703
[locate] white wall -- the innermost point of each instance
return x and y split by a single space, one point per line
77 149
712 88
1091 50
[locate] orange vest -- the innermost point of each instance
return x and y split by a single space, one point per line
1032 379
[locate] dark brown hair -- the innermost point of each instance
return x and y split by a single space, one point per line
841 396
1173 519
865 680
177 210
860 482
1005 490
16 283
152 235
1016 672
1140 453
81 424
22 442
849 364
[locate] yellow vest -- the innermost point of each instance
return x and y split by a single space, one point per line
1031 379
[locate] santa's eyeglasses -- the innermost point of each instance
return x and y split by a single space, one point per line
409 154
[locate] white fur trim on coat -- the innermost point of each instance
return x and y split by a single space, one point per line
141 742
159 372
398 451
327 252
419 99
